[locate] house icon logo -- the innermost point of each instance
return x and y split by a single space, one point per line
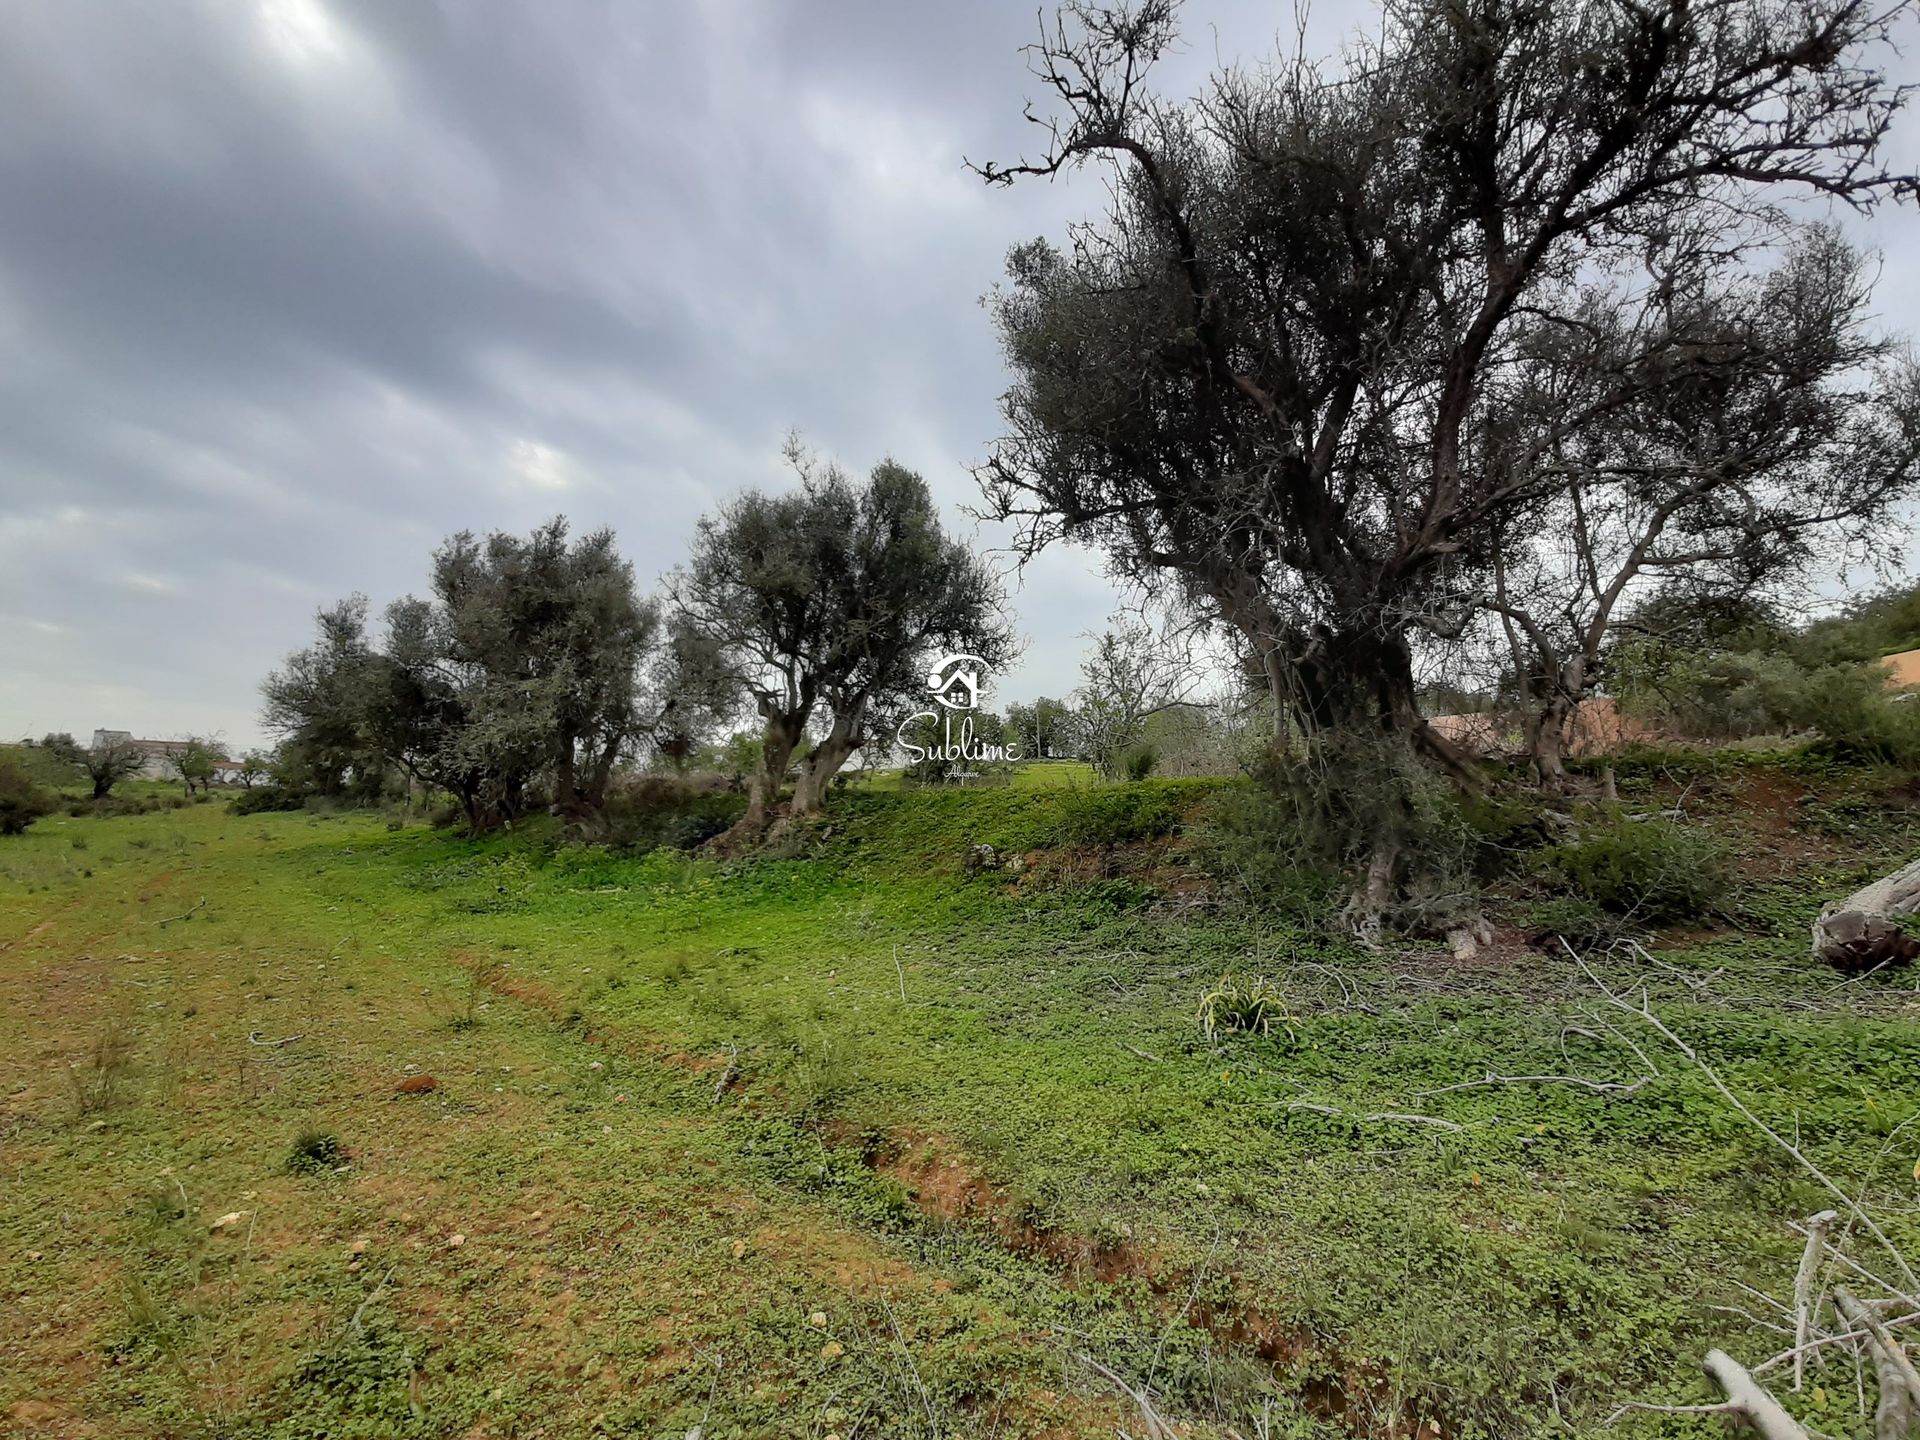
955 681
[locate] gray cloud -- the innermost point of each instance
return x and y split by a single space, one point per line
290 289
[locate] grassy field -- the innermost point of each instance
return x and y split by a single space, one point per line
860 1141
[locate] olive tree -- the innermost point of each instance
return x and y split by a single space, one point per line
106 764
825 604
523 669
546 639
190 760
1783 434
1258 378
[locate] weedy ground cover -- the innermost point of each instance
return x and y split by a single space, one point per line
875 1139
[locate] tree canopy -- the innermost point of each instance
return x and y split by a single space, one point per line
828 602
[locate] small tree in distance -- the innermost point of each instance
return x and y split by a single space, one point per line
105 764
191 762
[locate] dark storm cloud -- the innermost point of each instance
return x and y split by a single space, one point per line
290 289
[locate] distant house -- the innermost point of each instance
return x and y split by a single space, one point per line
1904 668
159 752
1596 727
1480 734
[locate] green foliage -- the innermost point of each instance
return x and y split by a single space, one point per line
516 683
1137 762
1652 869
359 1385
836 595
1349 801
315 1152
1243 1004
1859 719
1114 815
1248 838
22 799
267 799
1885 623
1732 694
645 812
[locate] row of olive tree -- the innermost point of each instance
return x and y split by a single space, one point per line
1486 324
535 666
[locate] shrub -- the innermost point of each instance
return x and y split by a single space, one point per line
1652 870
266 798
1248 838
646 812
1330 808
1721 695
1577 920
1115 815
1138 762
22 800
1858 718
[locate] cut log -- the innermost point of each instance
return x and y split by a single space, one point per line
1866 929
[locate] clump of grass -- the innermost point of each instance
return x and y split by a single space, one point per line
1243 1004
478 980
97 1078
315 1152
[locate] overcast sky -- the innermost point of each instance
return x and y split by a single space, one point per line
292 289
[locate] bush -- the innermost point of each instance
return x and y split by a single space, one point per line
265 799
22 800
1248 838
681 812
1138 762
1650 870
1327 811
1721 695
1859 719
1115 815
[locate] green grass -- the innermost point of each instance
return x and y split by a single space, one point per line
976 1121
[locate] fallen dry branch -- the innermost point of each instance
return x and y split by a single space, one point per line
1749 1399
253 1038
1644 1012
1846 1337
187 914
1601 1087
1157 1428
1746 1400
1803 1280
1899 1385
